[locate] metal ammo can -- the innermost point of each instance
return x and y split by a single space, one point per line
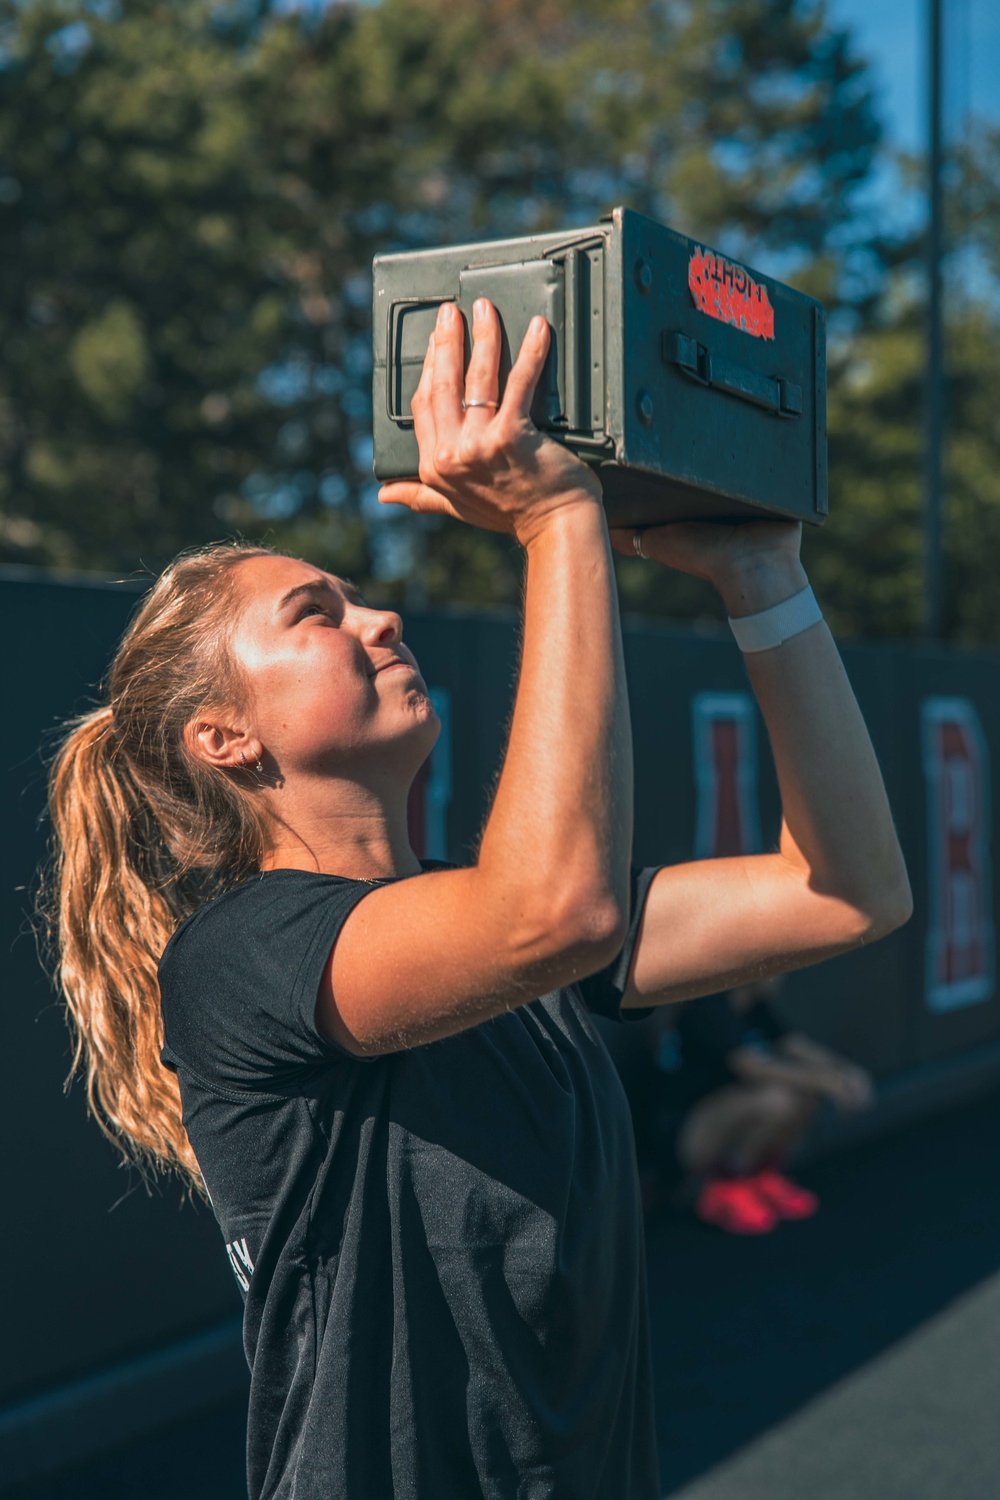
695 386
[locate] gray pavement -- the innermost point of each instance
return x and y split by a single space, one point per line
920 1421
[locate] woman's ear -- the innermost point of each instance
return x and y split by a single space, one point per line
215 742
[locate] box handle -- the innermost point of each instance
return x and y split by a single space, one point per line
773 393
394 361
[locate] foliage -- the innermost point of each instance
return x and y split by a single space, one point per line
149 240
192 196
868 560
191 192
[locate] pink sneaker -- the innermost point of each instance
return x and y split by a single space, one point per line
788 1199
732 1204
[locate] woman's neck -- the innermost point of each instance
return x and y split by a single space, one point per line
348 830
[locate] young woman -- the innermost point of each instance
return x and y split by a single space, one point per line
384 1073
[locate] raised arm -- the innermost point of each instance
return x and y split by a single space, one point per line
547 898
838 878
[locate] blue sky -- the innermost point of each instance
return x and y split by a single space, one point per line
892 33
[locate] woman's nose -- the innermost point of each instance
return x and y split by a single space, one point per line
381 626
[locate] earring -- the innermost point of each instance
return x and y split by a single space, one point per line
259 766
243 760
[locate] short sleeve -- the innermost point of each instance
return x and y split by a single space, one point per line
603 991
239 980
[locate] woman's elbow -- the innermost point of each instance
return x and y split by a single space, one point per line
886 910
901 909
590 926
606 928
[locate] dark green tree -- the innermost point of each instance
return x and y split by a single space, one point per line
868 559
190 195
149 246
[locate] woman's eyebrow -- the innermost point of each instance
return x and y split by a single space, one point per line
347 590
315 586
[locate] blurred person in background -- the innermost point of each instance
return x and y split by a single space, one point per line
730 1091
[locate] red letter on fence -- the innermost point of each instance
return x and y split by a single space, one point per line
725 768
960 932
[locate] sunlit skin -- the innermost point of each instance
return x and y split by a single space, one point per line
337 713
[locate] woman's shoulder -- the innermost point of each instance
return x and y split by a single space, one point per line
272 904
240 976
249 911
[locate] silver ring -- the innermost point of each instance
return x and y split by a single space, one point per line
637 544
467 404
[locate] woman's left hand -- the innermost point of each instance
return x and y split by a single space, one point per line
728 554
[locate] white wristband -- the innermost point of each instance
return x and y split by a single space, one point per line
779 623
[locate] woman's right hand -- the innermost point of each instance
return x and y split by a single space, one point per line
488 464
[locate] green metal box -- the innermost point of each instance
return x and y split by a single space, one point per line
695 386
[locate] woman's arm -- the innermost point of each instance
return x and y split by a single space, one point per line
838 879
546 901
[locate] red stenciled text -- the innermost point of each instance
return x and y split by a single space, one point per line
727 292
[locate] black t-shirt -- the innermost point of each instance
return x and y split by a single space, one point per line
439 1249
695 1054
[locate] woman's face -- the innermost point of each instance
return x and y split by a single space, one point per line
333 688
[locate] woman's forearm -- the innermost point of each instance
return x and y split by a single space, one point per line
837 823
561 822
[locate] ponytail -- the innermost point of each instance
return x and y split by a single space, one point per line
143 833
113 925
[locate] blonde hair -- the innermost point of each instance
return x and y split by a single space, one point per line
143 833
